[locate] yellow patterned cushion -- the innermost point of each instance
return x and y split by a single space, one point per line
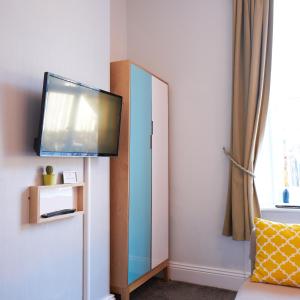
277 253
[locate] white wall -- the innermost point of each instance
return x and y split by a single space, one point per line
70 38
189 44
118 30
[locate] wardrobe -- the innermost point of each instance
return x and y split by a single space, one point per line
139 184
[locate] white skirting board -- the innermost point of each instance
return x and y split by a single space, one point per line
109 297
207 276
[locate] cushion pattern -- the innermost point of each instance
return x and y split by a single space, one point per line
277 253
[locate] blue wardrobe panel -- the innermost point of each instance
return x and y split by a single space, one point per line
140 174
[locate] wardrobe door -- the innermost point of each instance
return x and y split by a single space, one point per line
140 174
160 183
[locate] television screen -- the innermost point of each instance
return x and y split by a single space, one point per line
77 120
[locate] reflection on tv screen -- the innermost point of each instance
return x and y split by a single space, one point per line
78 119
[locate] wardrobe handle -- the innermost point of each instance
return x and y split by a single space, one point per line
151 134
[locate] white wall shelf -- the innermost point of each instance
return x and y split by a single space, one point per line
48 198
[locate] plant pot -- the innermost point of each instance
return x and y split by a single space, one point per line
49 179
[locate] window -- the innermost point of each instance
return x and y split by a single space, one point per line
278 167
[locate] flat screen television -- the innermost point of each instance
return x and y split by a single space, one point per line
77 120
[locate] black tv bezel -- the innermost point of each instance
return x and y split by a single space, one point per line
38 140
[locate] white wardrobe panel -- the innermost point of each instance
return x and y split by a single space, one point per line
160 184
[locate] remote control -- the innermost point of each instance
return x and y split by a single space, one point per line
58 213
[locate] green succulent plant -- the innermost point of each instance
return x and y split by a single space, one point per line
49 170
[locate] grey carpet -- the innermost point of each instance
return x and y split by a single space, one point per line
157 289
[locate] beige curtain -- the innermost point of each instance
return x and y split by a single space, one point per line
252 48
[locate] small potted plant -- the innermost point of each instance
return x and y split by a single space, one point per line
49 178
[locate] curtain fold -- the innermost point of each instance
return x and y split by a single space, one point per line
252 50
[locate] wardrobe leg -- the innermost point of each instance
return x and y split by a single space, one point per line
166 274
125 294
